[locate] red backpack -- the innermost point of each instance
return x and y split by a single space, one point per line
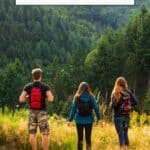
36 98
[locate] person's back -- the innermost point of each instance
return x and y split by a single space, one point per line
122 101
37 93
125 104
82 106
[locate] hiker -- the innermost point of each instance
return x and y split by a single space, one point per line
122 101
37 93
83 104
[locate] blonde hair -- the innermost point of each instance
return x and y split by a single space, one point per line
119 87
83 87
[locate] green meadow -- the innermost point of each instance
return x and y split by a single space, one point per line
14 134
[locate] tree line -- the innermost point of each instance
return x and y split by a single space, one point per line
70 48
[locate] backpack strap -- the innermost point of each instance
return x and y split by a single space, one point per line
78 99
133 97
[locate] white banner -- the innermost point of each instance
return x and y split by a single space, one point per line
74 2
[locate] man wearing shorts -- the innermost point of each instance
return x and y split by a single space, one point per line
37 93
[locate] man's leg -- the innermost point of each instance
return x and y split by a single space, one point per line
45 141
44 128
32 128
32 140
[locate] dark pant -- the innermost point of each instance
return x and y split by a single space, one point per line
122 125
88 131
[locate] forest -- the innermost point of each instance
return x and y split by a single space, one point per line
73 44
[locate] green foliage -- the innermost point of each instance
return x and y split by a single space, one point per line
123 53
66 108
11 84
147 102
60 40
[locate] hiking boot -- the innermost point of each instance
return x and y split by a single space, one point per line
88 147
122 147
80 145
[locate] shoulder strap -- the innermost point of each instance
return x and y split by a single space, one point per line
130 93
91 100
133 97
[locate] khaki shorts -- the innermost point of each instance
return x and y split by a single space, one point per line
38 118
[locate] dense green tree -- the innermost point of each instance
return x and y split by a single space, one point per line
60 40
123 53
11 84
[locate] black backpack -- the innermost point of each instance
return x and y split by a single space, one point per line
84 108
125 103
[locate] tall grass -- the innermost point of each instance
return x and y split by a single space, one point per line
14 134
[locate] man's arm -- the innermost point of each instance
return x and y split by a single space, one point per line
49 96
22 97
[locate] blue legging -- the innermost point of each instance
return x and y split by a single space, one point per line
122 125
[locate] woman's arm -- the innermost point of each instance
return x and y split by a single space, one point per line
134 100
113 103
96 109
73 111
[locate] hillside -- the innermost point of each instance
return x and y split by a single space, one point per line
73 44
58 30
